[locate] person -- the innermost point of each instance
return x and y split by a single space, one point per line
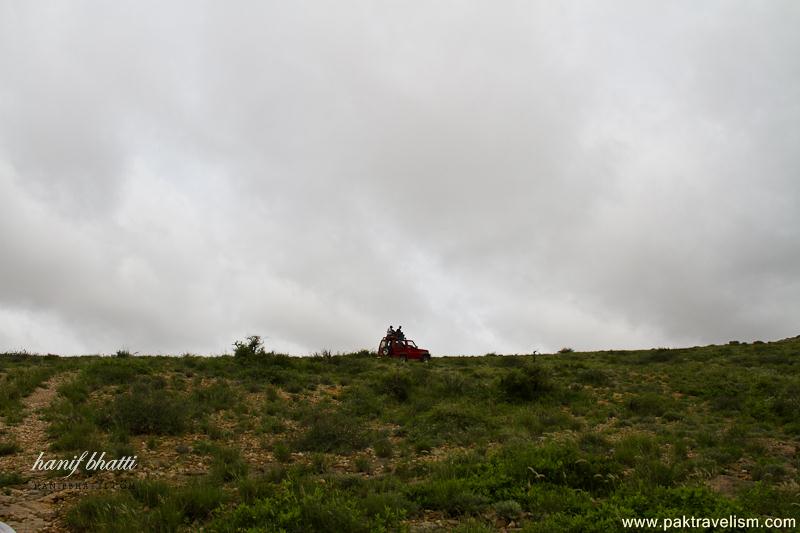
400 335
390 332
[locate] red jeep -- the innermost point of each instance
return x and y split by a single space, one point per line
403 348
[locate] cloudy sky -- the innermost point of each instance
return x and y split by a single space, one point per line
494 176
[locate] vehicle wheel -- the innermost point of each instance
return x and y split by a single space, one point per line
426 358
405 358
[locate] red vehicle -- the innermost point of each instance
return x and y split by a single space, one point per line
402 348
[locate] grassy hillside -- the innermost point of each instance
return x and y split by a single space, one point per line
260 442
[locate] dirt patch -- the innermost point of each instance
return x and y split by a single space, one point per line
726 485
27 508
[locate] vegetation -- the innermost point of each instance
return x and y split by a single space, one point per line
552 442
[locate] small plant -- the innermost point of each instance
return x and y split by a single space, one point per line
123 352
646 404
9 448
332 432
148 492
508 509
150 410
251 347
10 478
522 385
227 464
396 385
320 463
383 448
216 397
281 452
363 464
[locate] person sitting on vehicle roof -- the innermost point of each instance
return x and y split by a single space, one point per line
399 333
390 333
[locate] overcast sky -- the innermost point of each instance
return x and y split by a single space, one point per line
494 176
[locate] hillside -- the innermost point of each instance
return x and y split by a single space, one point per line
554 442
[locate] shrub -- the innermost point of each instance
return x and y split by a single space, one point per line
227 464
540 419
558 464
566 349
9 448
251 489
451 496
635 447
10 479
281 452
332 432
196 501
76 433
363 464
594 376
320 463
17 384
647 404
149 493
383 448
396 385
298 508
217 396
251 347
147 410
362 401
103 512
508 509
463 423
526 384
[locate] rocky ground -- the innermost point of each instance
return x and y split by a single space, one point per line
26 508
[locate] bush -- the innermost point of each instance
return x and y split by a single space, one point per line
300 508
150 411
508 509
227 464
647 404
196 501
396 385
217 396
363 464
10 479
281 452
383 448
462 423
526 384
332 432
9 448
635 447
594 376
149 493
451 496
71 429
538 420
251 347
17 384
103 512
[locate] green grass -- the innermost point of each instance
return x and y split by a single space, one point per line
11 478
555 442
17 384
9 448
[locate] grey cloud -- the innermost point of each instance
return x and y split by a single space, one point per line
492 177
